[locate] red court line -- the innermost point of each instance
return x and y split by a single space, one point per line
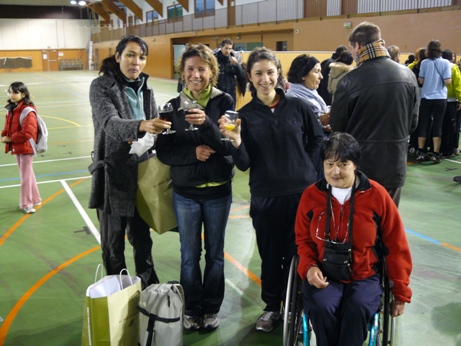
13 313
24 218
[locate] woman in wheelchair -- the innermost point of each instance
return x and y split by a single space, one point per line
344 223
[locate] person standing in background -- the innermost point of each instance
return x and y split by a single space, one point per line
450 129
230 71
435 75
123 109
376 104
325 66
16 137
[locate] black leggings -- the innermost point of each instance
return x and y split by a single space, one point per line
431 109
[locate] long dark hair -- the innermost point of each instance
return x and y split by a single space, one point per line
434 50
20 87
110 64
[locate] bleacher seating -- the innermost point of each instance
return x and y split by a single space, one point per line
71 64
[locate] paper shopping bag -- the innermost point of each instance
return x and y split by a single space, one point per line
110 315
154 198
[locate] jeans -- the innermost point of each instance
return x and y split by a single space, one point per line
202 297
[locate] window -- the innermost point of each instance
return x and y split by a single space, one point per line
204 8
151 16
130 20
174 13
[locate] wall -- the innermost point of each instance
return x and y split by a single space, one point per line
36 56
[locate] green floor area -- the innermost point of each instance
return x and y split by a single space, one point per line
48 259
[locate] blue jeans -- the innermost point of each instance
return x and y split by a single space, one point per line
202 297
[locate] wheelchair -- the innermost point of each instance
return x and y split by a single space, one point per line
296 328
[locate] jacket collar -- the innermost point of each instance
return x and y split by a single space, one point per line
362 183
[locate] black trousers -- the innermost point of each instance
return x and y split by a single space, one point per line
112 229
274 220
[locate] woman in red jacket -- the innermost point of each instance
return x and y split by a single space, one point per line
16 138
338 222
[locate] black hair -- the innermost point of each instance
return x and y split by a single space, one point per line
263 53
110 64
300 67
340 146
226 41
345 57
447 55
338 52
20 87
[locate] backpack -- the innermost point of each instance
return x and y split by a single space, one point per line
161 315
42 139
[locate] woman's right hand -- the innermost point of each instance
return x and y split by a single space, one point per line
234 134
315 277
155 126
6 139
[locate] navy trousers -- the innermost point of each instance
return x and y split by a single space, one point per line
340 312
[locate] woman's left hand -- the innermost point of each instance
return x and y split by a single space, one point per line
195 116
397 308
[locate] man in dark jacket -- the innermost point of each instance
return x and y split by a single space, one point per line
376 103
229 70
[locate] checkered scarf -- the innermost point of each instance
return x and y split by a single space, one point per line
371 51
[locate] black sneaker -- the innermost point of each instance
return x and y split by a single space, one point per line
421 157
266 321
436 158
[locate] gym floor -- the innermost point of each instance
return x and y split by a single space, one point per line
49 258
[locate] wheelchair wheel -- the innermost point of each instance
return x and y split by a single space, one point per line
295 331
383 325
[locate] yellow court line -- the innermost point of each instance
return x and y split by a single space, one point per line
11 316
24 218
62 119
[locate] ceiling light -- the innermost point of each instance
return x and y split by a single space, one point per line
73 2
82 3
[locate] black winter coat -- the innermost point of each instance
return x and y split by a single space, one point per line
376 103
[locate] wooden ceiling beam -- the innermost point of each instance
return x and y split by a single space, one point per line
99 9
112 7
133 8
184 4
157 6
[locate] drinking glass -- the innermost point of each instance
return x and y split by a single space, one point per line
188 105
232 116
165 113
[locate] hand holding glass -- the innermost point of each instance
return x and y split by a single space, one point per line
231 123
188 105
166 113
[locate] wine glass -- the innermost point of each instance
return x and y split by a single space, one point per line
232 116
188 105
165 113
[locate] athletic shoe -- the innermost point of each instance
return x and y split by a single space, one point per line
421 157
266 321
456 151
436 158
29 210
210 321
192 322
457 179
37 204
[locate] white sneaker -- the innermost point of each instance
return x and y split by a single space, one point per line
210 321
192 322
29 210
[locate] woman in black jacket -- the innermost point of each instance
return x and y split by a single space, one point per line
279 136
201 170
